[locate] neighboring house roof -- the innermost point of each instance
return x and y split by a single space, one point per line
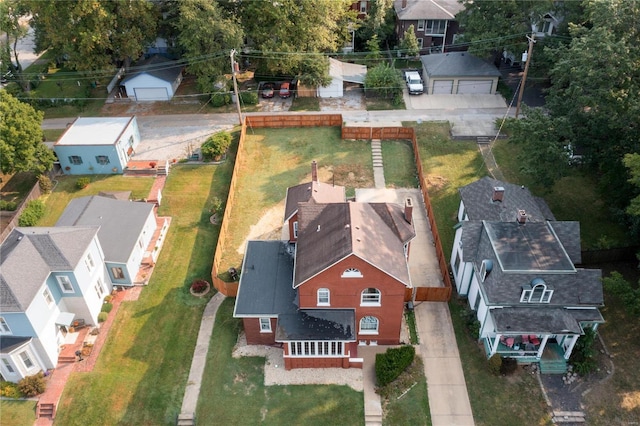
156 66
457 64
94 131
29 255
534 320
10 343
120 222
351 73
427 9
311 192
479 205
265 290
375 232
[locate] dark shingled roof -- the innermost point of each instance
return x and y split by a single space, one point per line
10 343
375 232
121 222
157 66
29 255
535 321
311 192
266 290
457 64
478 204
569 235
427 9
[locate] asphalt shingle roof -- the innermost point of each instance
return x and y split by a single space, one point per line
157 66
312 192
427 9
457 64
10 343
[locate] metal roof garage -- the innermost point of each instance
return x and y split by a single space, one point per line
458 73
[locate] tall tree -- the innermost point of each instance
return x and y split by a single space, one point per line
12 15
409 43
379 22
93 34
206 37
21 147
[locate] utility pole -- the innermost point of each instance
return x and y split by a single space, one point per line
234 65
526 70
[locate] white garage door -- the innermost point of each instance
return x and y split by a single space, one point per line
151 94
442 87
474 86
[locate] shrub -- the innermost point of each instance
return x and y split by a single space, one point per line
32 385
495 364
8 205
508 366
471 322
392 363
83 182
199 286
106 307
582 357
108 298
32 213
45 183
102 317
216 145
10 390
220 99
249 98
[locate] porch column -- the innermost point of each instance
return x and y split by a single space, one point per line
567 353
542 346
494 345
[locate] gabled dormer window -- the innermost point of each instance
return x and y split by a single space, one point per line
536 292
485 268
352 273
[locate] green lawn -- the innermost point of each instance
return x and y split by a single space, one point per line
235 393
65 190
305 104
15 187
574 197
142 371
17 413
405 400
275 159
399 164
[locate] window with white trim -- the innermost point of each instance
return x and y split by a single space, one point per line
24 356
265 325
4 327
363 7
420 43
8 366
102 159
65 284
89 262
75 159
536 292
420 24
436 26
370 297
99 288
316 348
323 297
47 296
369 325
295 229
352 273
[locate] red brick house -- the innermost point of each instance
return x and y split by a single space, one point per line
341 284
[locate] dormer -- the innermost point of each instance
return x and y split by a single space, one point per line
537 291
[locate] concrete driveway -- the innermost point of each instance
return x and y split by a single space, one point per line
451 102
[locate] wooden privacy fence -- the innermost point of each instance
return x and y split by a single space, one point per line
434 294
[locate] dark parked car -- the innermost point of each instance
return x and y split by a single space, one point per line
267 90
285 92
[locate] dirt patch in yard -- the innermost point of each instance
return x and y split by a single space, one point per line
436 182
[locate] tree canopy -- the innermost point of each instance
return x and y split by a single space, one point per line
21 147
409 43
11 14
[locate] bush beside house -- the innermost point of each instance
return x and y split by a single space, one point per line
392 363
32 213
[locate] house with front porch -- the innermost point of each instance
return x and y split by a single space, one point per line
516 265
339 285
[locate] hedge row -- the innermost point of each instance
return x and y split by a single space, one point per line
392 363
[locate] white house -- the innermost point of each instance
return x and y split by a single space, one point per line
97 145
48 278
517 267
153 79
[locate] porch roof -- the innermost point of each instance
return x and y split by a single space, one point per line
317 324
535 320
10 343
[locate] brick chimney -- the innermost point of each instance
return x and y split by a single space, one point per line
498 193
522 217
314 171
408 210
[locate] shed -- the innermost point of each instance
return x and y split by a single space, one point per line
342 72
458 73
153 79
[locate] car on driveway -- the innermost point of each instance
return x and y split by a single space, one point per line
285 91
267 90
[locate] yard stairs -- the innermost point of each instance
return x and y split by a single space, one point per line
373 419
186 419
46 410
553 366
572 417
67 359
378 168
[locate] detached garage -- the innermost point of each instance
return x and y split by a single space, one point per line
341 73
154 79
459 73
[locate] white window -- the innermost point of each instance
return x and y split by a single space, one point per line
89 262
370 297
317 349
485 268
323 297
420 24
118 273
4 327
265 325
47 296
102 159
436 26
536 292
65 284
352 273
99 288
24 356
369 325
420 43
363 7
295 229
8 365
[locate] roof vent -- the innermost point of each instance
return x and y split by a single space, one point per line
498 193
318 230
522 217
